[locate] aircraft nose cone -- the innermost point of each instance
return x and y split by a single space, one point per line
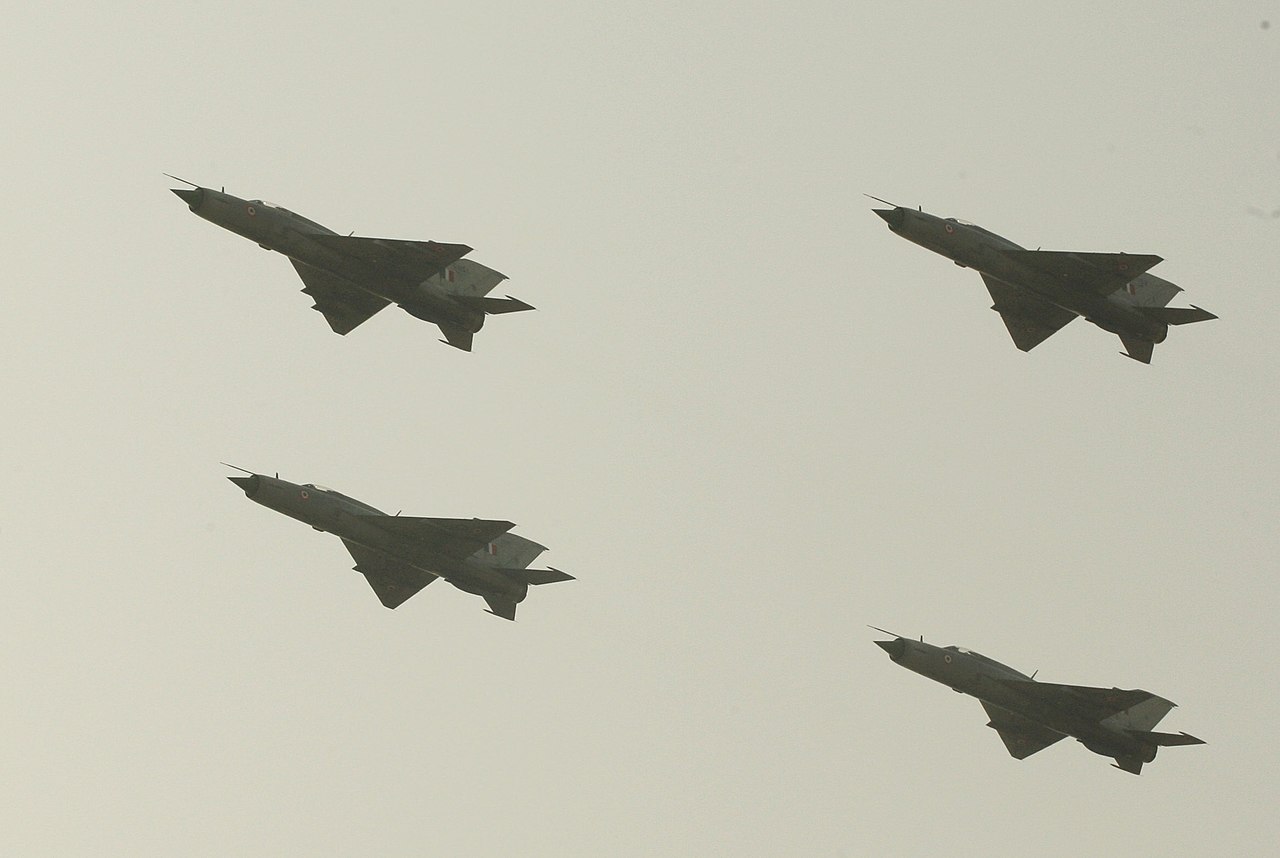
893 217
249 484
191 196
895 648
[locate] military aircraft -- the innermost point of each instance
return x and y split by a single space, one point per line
350 278
1031 716
400 554
1037 292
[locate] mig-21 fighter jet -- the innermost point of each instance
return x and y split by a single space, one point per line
1037 292
400 554
1031 716
350 277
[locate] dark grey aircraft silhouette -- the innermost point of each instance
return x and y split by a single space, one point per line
1037 292
1031 716
350 278
400 554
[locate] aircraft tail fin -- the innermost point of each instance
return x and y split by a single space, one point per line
500 607
457 337
1137 348
509 551
1147 290
1140 716
1132 763
464 277
1178 315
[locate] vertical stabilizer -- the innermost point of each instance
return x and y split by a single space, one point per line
1147 290
509 551
1141 716
465 277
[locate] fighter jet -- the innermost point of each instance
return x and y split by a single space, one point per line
400 554
1031 716
1037 292
350 278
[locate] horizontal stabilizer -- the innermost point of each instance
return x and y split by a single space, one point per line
492 305
536 576
1177 315
1166 739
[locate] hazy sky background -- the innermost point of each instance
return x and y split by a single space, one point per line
748 418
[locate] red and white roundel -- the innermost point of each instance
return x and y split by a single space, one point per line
305 494
949 228
252 211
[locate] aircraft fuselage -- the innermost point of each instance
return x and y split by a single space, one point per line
272 227
971 246
353 521
984 678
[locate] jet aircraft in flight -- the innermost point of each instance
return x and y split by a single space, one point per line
1031 716
350 277
400 554
1037 292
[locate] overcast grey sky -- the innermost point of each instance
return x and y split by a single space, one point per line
746 416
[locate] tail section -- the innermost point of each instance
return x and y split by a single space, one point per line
1137 348
459 338
465 277
493 306
1151 742
1147 290
505 605
1166 740
1141 716
536 576
1178 315
509 551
